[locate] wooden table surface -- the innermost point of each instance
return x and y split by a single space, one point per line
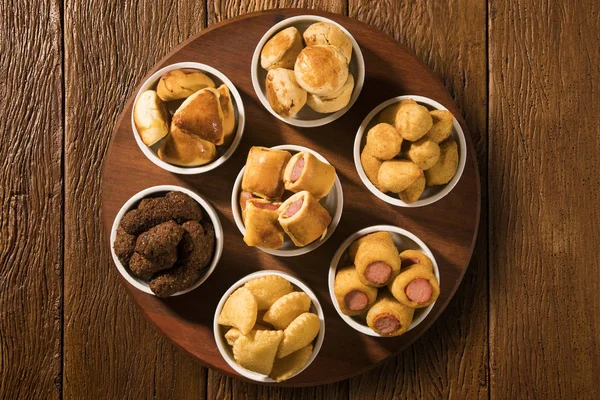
525 322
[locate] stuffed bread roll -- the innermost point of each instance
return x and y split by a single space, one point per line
304 219
353 296
263 175
376 259
262 228
410 257
388 317
416 286
304 171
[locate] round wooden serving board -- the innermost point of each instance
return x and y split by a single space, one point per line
448 227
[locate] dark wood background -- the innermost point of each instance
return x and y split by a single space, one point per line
525 322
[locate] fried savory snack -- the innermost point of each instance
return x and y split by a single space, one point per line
186 150
376 259
144 268
263 175
201 115
445 169
410 257
397 175
228 113
197 244
282 49
383 141
285 96
328 33
256 350
388 115
151 118
371 165
181 83
286 367
286 309
299 333
304 171
442 125
412 193
330 104
262 228
159 240
267 289
424 152
321 70
416 286
353 296
124 245
388 317
304 219
413 120
240 310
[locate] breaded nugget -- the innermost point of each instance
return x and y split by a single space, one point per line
442 125
183 207
442 172
144 268
414 191
424 152
397 175
124 245
371 166
383 141
165 283
197 245
413 121
159 240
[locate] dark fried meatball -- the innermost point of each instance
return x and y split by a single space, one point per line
124 245
166 283
159 240
183 207
144 268
197 245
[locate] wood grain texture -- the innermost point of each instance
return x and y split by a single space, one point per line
221 386
31 128
450 360
109 349
447 227
543 193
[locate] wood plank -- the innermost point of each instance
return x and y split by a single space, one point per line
450 360
110 350
31 128
221 386
544 216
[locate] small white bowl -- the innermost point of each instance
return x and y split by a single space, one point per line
431 194
404 240
220 330
306 118
224 152
333 202
142 285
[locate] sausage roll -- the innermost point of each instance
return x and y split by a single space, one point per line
262 228
304 219
353 296
376 259
388 317
306 172
416 286
263 175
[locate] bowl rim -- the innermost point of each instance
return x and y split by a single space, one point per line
337 187
333 266
239 106
255 65
462 143
220 339
207 208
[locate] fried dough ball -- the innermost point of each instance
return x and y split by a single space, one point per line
388 115
383 141
397 175
328 33
443 171
414 191
442 125
371 166
412 121
424 152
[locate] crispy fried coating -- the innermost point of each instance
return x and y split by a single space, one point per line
144 267
124 245
159 240
197 245
183 207
168 282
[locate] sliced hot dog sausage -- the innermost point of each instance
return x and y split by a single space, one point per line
266 206
356 300
293 208
378 272
297 170
419 290
244 197
386 323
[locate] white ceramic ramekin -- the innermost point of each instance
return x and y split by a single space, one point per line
306 118
220 331
431 194
404 240
333 202
162 190
224 153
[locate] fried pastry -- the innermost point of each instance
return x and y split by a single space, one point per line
282 49
268 289
412 120
442 125
321 70
445 169
376 259
388 115
256 350
240 310
263 174
397 175
416 286
228 113
388 317
424 152
410 257
412 193
262 228
304 171
285 96
383 141
181 83
371 166
186 150
151 118
299 333
286 309
325 104
288 366
328 33
352 295
201 115
304 219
